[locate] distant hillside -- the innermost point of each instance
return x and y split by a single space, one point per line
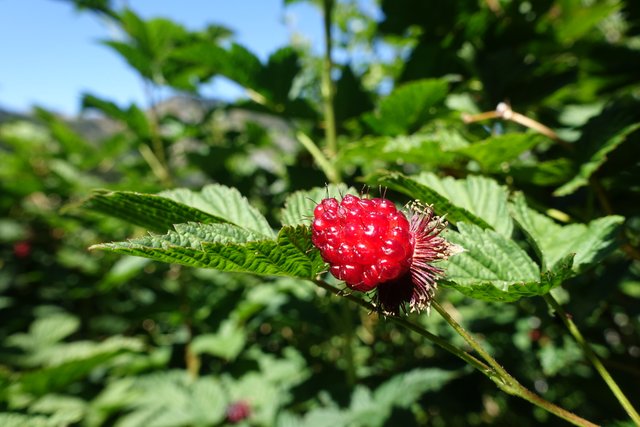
94 126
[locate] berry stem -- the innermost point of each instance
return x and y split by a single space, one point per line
471 360
512 385
493 370
347 327
322 161
593 358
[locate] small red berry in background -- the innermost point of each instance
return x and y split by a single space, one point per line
238 411
370 244
22 249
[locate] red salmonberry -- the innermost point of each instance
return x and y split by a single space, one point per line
370 244
238 411
22 249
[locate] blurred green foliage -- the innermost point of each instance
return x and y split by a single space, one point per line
92 338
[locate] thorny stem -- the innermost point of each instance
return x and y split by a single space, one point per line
593 358
321 160
412 326
347 318
494 371
159 165
327 83
512 385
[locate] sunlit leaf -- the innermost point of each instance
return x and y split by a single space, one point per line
589 242
493 152
223 202
477 200
150 211
408 107
493 268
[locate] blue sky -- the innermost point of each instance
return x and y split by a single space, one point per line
50 53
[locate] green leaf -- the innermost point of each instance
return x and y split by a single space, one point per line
475 200
589 167
279 73
75 364
227 343
548 173
493 268
159 212
299 206
8 419
46 331
164 399
150 211
436 148
576 19
292 254
408 107
590 243
404 389
223 202
493 152
134 57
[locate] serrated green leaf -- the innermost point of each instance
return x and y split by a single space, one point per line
408 106
223 202
481 196
476 200
493 152
493 268
590 166
159 212
299 206
153 212
292 254
590 243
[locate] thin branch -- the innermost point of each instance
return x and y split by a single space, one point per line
511 383
593 358
504 111
327 82
494 371
327 167
473 361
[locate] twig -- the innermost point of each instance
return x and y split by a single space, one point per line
504 111
494 371
511 383
593 358
327 82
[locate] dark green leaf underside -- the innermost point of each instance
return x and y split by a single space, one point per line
150 211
